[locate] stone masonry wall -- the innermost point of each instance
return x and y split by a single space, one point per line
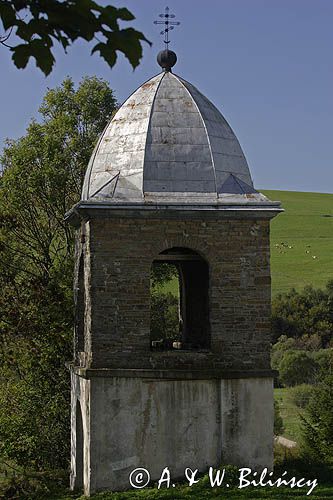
118 254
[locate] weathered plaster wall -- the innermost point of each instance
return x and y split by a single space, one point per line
247 420
135 422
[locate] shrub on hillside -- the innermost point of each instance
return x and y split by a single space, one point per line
279 349
309 312
317 424
324 359
297 367
300 395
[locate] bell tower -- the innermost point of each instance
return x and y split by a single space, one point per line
168 183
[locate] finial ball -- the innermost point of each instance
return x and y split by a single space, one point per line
166 59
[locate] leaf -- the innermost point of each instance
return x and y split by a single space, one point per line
33 27
43 55
37 49
128 42
7 14
110 15
125 14
21 54
108 53
66 22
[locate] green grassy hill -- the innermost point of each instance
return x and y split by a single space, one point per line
301 240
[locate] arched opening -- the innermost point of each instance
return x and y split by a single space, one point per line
179 301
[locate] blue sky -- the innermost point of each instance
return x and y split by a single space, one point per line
266 64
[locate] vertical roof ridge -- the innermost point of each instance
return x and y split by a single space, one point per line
204 125
149 122
86 186
188 86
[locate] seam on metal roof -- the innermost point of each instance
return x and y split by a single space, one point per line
204 125
92 160
149 122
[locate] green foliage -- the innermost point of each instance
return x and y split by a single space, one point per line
164 305
305 313
162 273
40 24
300 395
164 316
278 422
297 367
318 423
282 360
279 349
324 359
42 177
15 483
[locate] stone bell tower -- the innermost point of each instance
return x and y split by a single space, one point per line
168 183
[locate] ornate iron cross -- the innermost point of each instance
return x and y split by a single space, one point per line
169 25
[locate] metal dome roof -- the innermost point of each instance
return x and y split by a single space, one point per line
167 141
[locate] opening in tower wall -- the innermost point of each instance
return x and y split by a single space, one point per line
179 301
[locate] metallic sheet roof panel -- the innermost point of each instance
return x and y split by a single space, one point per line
234 185
166 138
218 130
170 170
128 126
177 119
180 186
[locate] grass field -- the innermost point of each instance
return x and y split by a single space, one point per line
301 240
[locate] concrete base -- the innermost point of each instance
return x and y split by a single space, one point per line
121 423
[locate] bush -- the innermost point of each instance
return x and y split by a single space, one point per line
279 349
19 484
278 422
324 360
317 360
300 395
297 367
305 313
317 424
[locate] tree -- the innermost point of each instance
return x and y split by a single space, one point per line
41 23
42 177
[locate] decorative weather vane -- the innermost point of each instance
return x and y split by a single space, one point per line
169 25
